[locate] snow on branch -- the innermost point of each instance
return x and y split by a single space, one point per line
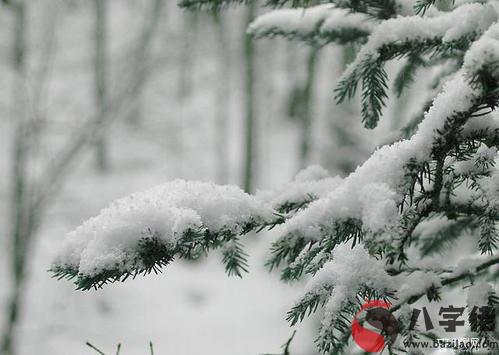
483 56
319 25
367 204
413 35
146 230
351 277
209 4
309 185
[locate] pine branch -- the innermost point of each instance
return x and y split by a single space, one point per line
214 5
422 6
374 85
472 272
317 25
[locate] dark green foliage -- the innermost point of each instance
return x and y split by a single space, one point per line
285 250
374 85
373 76
422 6
333 338
151 254
294 206
380 9
209 4
234 259
303 256
306 306
489 235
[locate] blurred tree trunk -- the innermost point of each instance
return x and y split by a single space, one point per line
31 198
187 55
20 228
142 52
306 109
100 81
249 169
186 71
222 101
344 137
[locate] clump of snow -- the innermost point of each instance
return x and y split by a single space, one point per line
480 162
378 206
312 173
478 294
349 270
469 265
165 212
490 186
488 124
304 22
384 172
351 267
310 183
483 52
431 227
415 283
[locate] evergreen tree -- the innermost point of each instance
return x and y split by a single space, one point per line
369 235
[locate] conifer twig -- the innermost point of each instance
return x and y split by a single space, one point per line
94 348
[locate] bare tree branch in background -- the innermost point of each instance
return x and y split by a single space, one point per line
300 106
143 53
30 198
19 184
250 104
307 114
222 102
101 79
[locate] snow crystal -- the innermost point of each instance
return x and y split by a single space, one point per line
165 212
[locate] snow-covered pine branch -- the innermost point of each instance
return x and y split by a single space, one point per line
210 4
446 36
319 25
371 234
146 230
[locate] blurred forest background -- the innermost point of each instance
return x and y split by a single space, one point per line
102 98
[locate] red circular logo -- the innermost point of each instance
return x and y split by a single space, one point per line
376 314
